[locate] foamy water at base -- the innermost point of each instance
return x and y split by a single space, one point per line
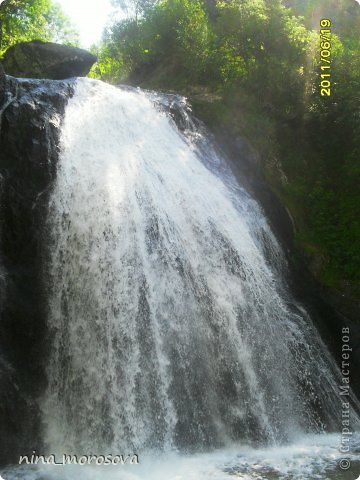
311 457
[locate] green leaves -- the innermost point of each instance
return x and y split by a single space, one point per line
25 20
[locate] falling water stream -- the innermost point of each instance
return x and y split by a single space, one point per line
173 334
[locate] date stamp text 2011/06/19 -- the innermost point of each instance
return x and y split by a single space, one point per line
325 57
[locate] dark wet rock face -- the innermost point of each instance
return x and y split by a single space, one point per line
31 114
2 84
47 60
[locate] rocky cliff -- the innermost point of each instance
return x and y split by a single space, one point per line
30 116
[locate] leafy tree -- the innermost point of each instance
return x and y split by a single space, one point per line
263 47
135 8
176 29
344 15
24 20
110 66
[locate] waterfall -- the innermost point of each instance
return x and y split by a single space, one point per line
170 322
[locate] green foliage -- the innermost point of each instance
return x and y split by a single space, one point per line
135 8
168 31
260 41
344 14
219 43
334 129
109 67
24 20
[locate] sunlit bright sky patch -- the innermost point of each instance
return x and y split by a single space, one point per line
89 17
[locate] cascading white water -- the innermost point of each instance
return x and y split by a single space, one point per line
170 325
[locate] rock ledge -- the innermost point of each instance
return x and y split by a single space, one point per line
38 59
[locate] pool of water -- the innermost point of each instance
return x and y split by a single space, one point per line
311 457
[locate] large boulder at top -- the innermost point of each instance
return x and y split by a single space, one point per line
38 59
